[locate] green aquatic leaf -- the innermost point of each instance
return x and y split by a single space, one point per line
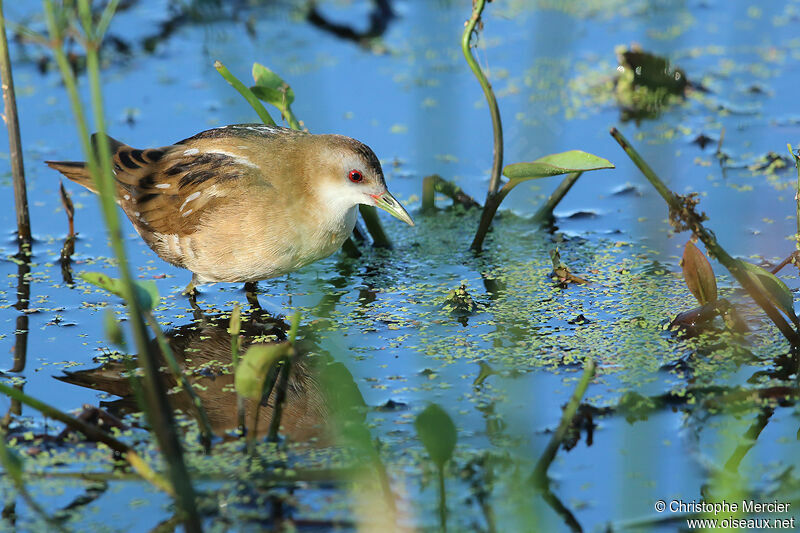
254 366
437 432
773 287
146 291
698 274
555 164
270 87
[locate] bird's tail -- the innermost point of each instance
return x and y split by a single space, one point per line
78 171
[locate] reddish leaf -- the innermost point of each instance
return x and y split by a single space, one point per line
698 274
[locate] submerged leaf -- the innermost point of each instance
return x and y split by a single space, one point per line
698 274
146 291
437 432
254 367
777 291
555 164
270 87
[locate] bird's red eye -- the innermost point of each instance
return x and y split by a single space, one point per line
356 176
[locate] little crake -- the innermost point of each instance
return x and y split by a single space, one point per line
245 202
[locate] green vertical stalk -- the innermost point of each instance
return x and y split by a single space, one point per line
159 413
429 194
540 471
442 499
248 95
796 198
494 110
206 433
14 142
373 223
280 396
492 202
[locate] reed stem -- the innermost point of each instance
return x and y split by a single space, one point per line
544 215
158 411
540 471
14 142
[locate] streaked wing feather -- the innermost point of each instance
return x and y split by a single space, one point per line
169 190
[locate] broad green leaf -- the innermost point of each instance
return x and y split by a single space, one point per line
437 432
773 287
698 274
254 367
146 291
555 164
270 87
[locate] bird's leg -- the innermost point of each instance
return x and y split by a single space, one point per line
251 292
261 315
197 311
191 293
191 288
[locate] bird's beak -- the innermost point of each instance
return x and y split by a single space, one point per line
388 203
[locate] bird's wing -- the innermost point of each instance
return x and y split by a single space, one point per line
171 189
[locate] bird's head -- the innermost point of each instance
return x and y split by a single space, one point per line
353 176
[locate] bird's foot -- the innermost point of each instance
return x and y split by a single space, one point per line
191 289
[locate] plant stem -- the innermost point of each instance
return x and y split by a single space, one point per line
206 433
429 194
158 412
92 432
435 183
373 223
290 117
494 110
13 470
263 114
710 242
489 209
540 471
796 198
14 142
280 395
350 248
235 328
442 499
492 202
544 214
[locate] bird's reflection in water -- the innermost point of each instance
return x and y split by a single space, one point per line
203 349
